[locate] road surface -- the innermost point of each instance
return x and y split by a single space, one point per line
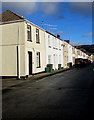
65 96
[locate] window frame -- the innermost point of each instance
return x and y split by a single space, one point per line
29 33
49 59
37 36
38 62
49 41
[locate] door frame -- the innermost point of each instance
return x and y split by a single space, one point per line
30 66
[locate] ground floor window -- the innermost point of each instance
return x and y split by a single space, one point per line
59 59
38 59
49 59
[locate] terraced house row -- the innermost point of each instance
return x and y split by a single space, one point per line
27 49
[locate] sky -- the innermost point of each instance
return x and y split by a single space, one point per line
72 20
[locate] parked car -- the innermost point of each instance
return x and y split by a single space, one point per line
89 61
79 62
86 61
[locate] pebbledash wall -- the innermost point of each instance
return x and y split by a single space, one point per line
54 50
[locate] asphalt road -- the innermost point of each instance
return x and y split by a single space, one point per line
65 96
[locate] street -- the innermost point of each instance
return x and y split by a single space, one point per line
64 96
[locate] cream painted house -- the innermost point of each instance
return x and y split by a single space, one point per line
73 54
65 53
70 59
23 46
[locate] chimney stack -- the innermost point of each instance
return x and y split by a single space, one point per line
67 41
58 36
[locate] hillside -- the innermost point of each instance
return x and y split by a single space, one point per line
89 49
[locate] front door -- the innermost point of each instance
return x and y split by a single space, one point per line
30 63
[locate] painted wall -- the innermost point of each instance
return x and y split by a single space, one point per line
70 54
12 36
73 55
54 49
34 48
65 54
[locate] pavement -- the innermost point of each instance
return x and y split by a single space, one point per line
11 82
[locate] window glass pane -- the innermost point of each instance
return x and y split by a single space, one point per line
38 59
37 36
49 59
29 32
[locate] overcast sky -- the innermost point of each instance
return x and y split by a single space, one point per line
72 20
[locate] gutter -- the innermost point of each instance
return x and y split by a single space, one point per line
7 22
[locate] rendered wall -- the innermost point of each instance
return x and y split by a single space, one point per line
12 36
34 48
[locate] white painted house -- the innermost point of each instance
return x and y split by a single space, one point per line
54 50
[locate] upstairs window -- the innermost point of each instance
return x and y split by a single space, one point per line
49 59
56 43
53 42
49 43
37 36
59 59
38 59
59 45
29 33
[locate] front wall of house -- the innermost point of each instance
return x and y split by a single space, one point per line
1 50
70 53
65 54
12 36
55 50
11 32
32 46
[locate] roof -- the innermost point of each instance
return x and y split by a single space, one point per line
50 33
9 16
67 41
53 35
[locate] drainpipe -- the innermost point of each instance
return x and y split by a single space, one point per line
18 53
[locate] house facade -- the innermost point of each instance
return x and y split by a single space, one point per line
54 50
23 47
70 59
65 54
73 54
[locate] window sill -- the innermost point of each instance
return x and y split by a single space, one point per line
39 67
38 42
49 46
29 40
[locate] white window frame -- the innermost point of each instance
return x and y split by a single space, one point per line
29 36
37 36
38 60
49 59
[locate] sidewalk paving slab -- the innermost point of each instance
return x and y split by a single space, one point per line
10 82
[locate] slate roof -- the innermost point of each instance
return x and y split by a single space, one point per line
9 16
